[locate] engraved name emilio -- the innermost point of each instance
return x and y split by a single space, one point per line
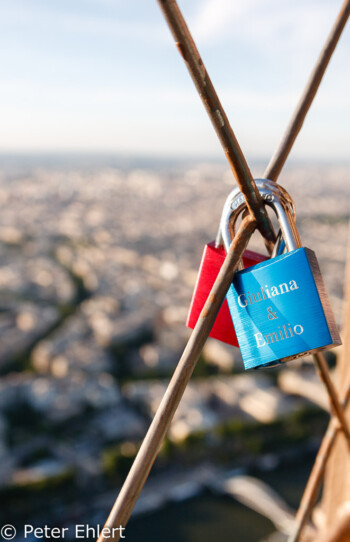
265 293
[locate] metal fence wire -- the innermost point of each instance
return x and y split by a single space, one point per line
256 218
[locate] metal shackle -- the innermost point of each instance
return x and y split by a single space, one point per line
235 203
274 196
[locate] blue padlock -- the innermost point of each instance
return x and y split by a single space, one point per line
279 307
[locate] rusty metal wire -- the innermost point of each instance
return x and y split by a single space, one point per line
272 172
139 471
281 154
217 115
314 482
333 431
337 409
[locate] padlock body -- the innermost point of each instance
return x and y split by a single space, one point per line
280 310
211 263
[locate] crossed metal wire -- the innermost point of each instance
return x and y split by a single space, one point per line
256 218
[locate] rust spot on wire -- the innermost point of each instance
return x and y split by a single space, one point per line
181 49
212 298
207 306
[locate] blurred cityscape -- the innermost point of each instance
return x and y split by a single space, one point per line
98 259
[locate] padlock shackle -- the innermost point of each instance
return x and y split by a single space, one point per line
226 211
287 224
273 195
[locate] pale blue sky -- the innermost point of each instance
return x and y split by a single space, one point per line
104 75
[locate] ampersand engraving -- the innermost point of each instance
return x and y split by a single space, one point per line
272 314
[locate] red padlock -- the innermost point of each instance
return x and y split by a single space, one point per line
211 263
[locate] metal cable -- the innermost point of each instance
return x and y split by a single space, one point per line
314 482
217 115
141 467
283 149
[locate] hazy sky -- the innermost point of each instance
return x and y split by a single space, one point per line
104 75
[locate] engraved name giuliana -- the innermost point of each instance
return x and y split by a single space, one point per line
266 292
